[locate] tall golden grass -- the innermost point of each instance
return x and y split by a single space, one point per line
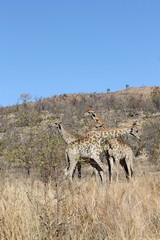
82 210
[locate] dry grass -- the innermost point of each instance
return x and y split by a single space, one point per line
83 210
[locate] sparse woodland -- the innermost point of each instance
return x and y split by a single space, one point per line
37 201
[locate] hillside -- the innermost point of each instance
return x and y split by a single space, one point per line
114 109
37 201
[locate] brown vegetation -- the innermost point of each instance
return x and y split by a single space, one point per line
37 202
85 210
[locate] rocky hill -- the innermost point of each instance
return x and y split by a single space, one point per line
28 144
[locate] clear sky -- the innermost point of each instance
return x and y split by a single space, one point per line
72 46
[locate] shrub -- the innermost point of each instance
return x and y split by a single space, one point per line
155 96
151 139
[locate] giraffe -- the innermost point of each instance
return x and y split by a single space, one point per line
132 130
91 147
116 150
68 138
88 150
122 155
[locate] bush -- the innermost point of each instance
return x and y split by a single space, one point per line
151 139
155 96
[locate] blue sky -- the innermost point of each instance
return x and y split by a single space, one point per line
72 46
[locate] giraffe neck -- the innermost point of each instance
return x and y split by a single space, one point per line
116 132
67 137
108 133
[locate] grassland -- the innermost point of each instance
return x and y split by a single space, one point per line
36 203
31 210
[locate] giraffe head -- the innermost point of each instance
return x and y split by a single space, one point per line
135 131
57 124
90 112
99 125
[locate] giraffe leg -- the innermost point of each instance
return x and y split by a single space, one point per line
117 170
112 163
79 169
71 170
100 168
124 164
130 169
109 162
68 163
110 168
110 172
72 166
